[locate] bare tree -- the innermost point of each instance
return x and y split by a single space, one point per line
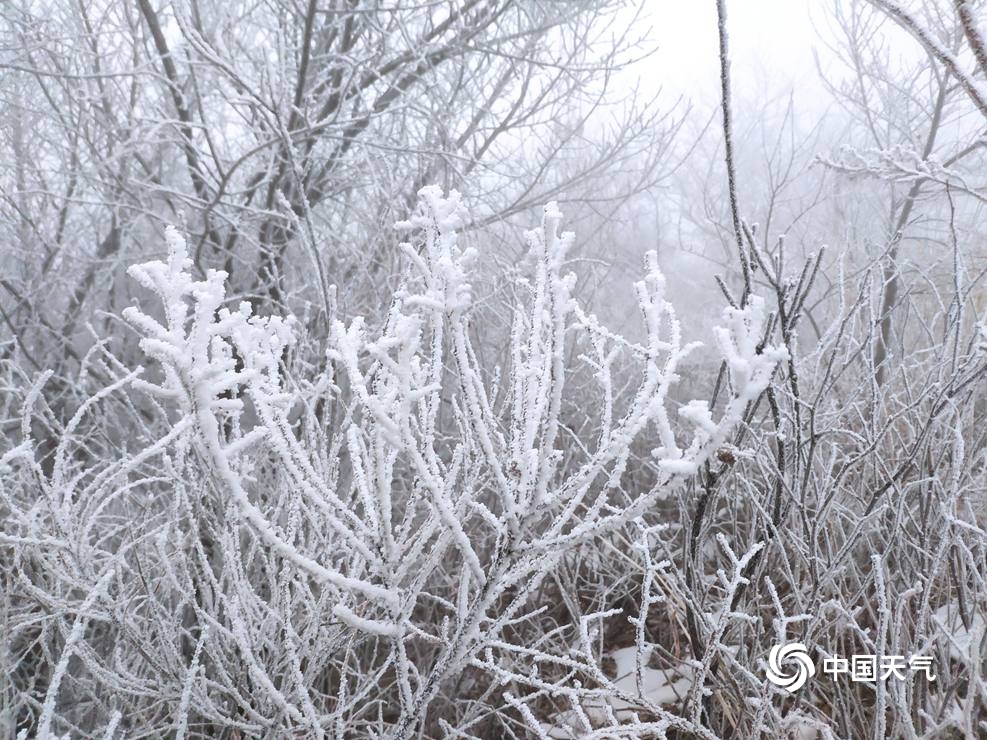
288 129
907 114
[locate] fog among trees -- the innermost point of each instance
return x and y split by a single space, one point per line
493 369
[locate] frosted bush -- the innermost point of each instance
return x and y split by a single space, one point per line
346 553
395 539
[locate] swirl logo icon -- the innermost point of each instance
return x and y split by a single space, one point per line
793 651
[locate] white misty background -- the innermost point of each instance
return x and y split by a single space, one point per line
478 369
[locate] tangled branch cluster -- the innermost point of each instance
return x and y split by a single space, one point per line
401 541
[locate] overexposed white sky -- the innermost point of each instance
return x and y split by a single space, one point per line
771 47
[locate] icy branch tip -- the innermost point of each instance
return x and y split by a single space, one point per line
178 260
